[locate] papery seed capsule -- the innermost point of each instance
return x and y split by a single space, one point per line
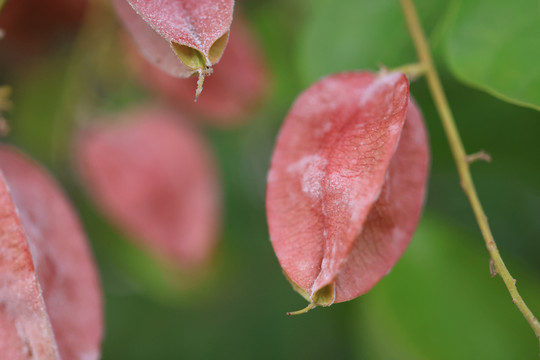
50 298
155 177
192 31
346 184
237 85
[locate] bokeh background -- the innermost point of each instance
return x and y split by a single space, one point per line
439 302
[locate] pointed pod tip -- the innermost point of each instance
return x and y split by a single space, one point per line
302 311
199 85
202 74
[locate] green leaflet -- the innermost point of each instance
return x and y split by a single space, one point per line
495 46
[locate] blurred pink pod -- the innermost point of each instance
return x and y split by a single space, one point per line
50 298
30 27
181 37
154 177
238 83
346 184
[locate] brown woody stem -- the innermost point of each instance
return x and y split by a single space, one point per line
460 157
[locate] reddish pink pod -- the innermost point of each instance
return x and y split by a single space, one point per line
155 177
239 81
50 298
192 31
346 184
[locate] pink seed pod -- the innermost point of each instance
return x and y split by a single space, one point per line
155 178
166 31
346 184
50 298
237 85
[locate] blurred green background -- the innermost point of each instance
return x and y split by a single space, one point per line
439 302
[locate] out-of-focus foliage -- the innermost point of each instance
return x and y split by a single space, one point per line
348 35
440 302
237 310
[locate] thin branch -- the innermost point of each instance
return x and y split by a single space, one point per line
460 157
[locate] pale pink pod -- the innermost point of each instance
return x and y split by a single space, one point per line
238 83
50 298
182 37
155 178
346 184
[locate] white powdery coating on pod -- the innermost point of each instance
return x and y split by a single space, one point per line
334 170
311 168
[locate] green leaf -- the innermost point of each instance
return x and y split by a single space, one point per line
494 46
440 302
352 34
